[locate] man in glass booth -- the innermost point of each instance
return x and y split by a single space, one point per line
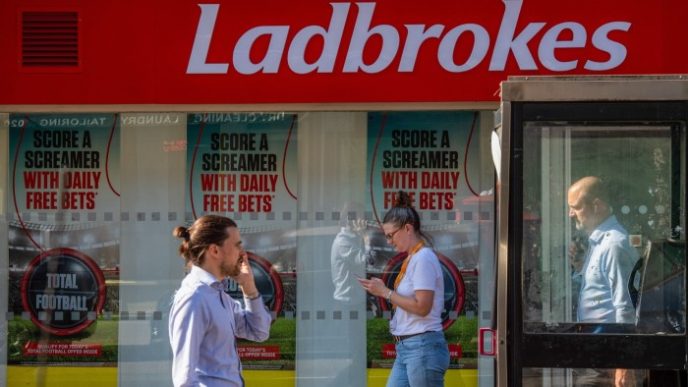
608 260
604 270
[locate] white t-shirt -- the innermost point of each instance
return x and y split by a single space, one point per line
423 273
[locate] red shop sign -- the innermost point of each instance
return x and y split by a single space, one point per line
302 51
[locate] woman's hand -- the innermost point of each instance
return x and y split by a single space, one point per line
420 303
374 286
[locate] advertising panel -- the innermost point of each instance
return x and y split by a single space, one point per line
63 238
433 157
243 165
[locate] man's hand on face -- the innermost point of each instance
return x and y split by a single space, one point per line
245 277
359 225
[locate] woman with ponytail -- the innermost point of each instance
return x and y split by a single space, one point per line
417 298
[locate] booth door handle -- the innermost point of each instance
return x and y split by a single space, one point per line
487 339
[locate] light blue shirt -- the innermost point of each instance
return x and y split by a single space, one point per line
204 321
608 264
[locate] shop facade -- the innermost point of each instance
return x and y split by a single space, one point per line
120 121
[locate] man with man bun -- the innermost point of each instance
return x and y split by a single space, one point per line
204 320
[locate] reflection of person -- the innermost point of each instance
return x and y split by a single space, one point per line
349 255
608 261
204 320
418 297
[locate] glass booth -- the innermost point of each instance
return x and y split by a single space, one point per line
591 232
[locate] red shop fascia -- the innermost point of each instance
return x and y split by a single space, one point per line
313 52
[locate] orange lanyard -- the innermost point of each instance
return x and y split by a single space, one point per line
406 262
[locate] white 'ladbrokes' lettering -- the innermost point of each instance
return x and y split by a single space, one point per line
508 42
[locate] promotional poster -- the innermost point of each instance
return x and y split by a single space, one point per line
63 207
433 157
244 166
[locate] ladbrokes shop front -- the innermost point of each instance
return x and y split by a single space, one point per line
121 120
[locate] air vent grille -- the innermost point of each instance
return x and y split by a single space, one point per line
50 39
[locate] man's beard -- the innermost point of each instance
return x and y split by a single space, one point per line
230 271
579 225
